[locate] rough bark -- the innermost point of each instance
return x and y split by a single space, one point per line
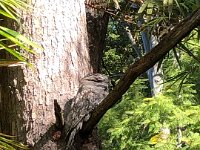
158 52
27 94
97 22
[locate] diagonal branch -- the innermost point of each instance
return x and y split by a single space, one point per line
146 62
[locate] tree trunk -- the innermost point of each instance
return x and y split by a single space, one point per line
97 22
27 94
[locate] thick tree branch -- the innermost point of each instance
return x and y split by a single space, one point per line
158 52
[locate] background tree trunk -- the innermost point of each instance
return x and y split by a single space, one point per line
27 95
97 22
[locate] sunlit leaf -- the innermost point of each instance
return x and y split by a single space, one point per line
13 52
18 39
10 7
150 8
186 50
165 2
6 14
6 146
143 7
8 11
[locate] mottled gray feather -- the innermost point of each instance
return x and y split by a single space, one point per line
93 89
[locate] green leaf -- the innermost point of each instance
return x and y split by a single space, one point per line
19 39
177 57
182 82
180 9
7 136
143 7
13 52
165 2
8 11
12 144
5 145
186 50
6 14
150 8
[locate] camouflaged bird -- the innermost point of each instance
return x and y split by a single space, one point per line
93 89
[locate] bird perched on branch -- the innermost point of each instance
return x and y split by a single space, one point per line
93 89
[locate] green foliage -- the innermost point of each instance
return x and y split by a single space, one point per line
117 122
10 39
7 143
185 70
9 8
137 121
132 123
18 40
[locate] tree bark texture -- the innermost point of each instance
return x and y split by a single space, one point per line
97 22
27 94
142 65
